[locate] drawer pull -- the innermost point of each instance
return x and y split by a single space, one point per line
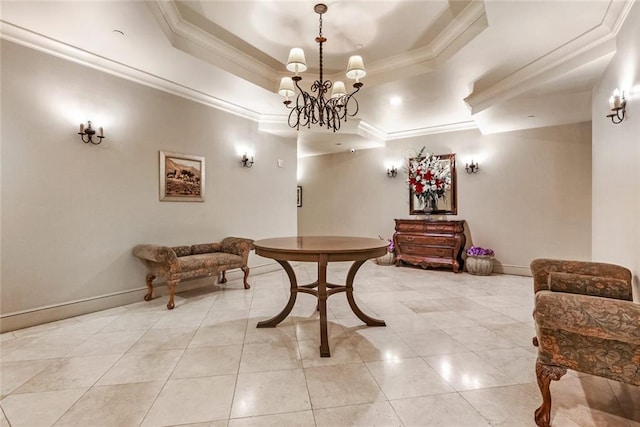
409 238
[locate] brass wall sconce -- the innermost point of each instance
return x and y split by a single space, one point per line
246 161
392 172
87 134
472 168
618 104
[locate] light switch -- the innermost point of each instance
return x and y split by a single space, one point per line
280 163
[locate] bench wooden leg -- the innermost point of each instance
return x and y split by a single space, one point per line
149 294
246 276
223 278
172 291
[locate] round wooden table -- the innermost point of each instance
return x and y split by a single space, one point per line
321 250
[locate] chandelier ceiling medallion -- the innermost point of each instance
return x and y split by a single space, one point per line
320 109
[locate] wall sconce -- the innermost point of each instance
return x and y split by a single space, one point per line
617 104
392 172
246 162
87 134
472 168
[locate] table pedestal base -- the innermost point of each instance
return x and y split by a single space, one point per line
323 291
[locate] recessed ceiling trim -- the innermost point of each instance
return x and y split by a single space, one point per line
595 43
186 35
451 127
65 51
190 38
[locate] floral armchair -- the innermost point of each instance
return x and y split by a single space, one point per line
586 321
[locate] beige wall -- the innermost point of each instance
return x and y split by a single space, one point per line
531 198
71 212
616 157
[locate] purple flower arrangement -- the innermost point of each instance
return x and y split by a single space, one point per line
390 246
478 251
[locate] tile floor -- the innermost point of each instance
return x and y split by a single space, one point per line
456 352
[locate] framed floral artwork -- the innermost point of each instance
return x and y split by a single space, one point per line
181 177
432 184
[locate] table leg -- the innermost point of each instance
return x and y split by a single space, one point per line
370 321
322 305
271 323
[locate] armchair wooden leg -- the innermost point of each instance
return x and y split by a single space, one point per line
223 277
172 291
246 276
546 373
149 294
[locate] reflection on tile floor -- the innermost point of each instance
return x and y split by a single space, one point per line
456 351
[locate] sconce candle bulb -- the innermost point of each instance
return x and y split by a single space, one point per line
87 134
617 104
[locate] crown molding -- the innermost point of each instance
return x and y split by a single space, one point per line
65 51
597 43
451 127
184 34
187 32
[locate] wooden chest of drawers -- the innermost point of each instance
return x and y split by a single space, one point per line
429 243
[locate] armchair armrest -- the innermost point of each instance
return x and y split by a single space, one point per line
540 268
237 246
155 253
598 317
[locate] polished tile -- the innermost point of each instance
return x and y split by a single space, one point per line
192 400
226 333
363 415
456 351
341 385
142 367
39 409
112 406
14 374
265 393
164 339
271 356
506 406
72 372
401 378
297 419
438 410
467 371
208 361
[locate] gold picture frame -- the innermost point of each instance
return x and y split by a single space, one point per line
182 177
445 206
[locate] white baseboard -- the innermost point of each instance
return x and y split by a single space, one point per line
40 315
516 270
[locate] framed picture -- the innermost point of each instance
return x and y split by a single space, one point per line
299 197
447 204
181 177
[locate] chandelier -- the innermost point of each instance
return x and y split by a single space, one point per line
322 109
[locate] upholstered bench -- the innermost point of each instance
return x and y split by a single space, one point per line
185 262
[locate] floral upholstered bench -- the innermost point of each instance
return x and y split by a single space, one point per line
185 262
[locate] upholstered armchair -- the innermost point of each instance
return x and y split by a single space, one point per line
585 321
